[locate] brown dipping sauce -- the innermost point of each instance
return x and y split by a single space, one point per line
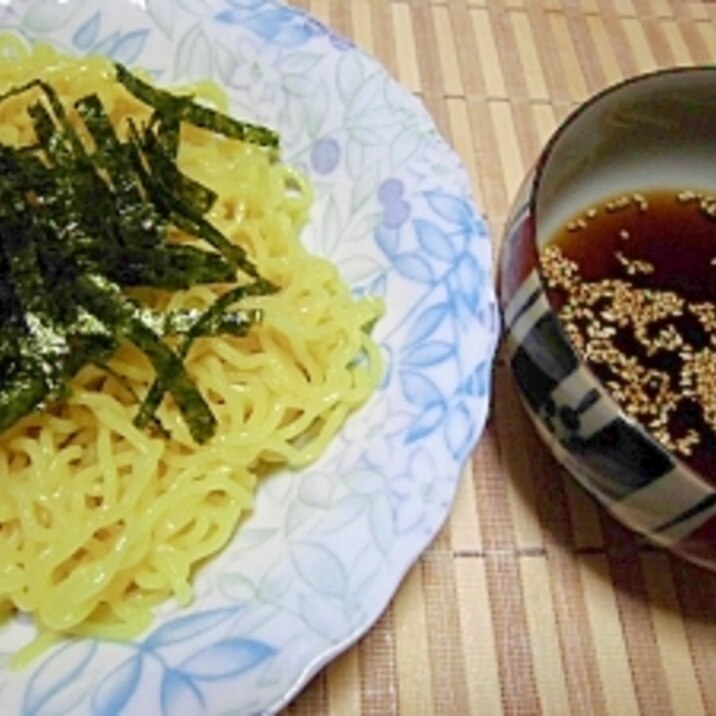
634 282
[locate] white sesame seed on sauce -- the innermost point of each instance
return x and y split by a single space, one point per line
624 202
653 349
708 207
641 202
634 266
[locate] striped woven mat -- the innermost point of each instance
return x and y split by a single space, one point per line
531 600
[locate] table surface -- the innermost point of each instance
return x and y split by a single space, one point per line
531 600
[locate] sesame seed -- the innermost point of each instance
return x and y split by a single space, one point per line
641 202
630 334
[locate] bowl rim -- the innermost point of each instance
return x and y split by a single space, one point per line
582 108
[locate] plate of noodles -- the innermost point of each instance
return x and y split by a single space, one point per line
245 352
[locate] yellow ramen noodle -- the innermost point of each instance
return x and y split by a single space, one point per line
101 521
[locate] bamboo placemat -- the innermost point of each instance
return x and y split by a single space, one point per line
531 600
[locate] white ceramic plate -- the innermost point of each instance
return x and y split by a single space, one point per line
325 550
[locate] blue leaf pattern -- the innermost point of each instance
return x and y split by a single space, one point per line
471 280
230 17
270 22
379 287
345 512
87 34
227 659
193 57
226 62
388 240
365 136
106 46
129 47
57 674
319 568
478 383
365 482
298 514
180 695
375 119
464 312
426 422
236 588
162 13
246 4
364 187
382 523
50 15
331 229
351 72
427 323
429 354
414 267
317 110
436 242
299 63
189 626
323 617
420 390
117 688
365 95
451 208
405 146
458 430
316 489
280 26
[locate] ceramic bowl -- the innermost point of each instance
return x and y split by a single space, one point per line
650 132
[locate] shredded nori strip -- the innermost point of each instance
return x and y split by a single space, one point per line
185 109
209 323
85 215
